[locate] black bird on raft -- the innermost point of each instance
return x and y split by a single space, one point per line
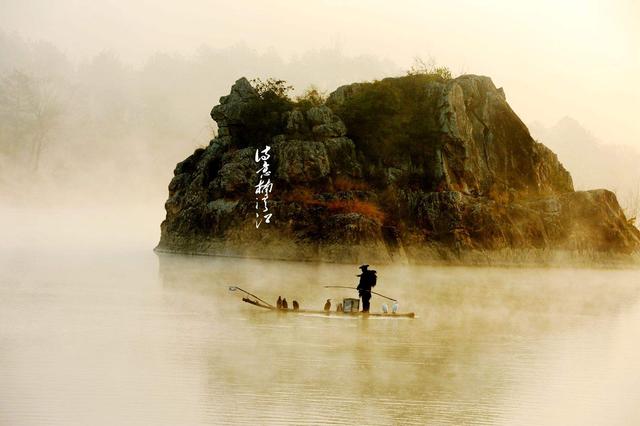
296 306
327 306
285 305
279 302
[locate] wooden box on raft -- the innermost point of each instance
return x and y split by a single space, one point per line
350 305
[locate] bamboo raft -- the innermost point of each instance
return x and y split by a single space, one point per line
328 313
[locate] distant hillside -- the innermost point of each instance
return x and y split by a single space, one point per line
592 163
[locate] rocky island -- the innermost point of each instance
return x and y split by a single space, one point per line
420 169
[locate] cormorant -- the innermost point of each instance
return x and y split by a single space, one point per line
327 306
296 306
279 303
285 305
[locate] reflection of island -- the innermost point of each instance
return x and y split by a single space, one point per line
417 168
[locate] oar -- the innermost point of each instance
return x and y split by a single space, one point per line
355 288
234 288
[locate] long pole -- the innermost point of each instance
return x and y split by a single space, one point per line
234 288
355 288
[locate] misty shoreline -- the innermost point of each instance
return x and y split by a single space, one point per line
601 261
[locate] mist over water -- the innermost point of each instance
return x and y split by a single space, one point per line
101 330
99 103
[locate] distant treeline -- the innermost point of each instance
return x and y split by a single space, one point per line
101 122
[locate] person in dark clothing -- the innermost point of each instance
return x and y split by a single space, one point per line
368 280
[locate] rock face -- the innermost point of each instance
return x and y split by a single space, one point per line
415 168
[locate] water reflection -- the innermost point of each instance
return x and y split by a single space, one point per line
112 337
481 335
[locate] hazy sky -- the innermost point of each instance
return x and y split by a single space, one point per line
554 58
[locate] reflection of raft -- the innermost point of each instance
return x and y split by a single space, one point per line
329 313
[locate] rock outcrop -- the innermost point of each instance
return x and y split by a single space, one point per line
415 168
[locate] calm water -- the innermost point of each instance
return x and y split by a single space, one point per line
101 331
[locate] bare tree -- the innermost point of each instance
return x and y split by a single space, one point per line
429 67
29 110
632 203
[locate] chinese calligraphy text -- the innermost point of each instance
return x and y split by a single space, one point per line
264 187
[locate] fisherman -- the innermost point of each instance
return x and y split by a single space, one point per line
368 280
